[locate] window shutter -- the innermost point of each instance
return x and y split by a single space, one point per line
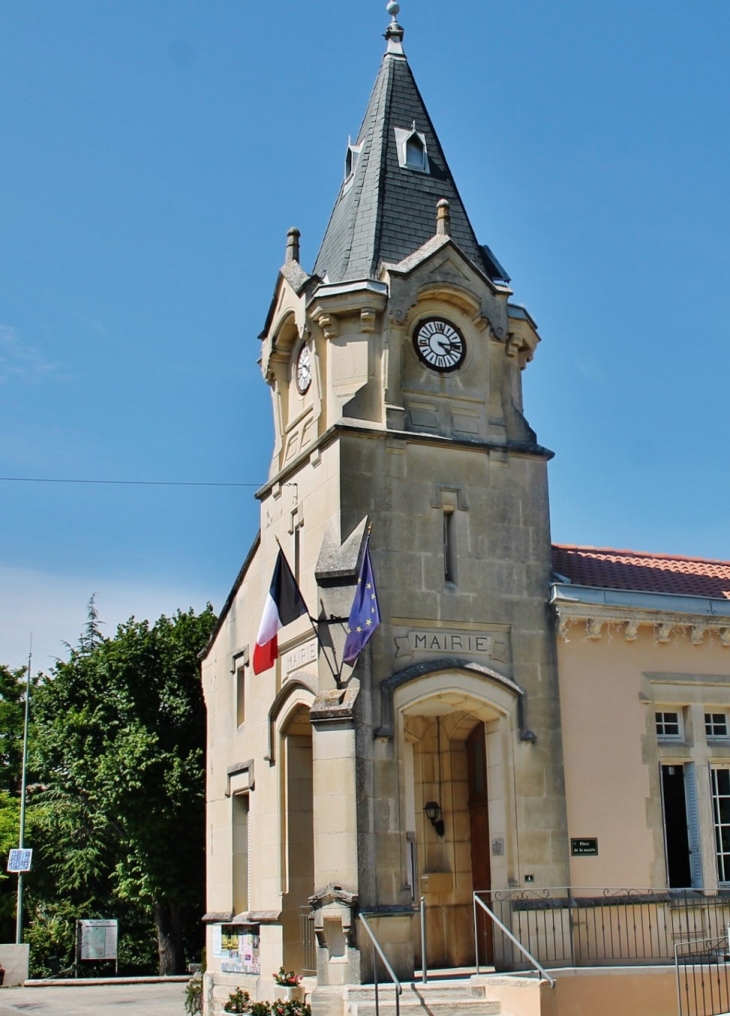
693 825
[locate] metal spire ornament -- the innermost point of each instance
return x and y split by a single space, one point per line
394 33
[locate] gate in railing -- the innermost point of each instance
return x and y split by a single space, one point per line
309 942
703 984
595 927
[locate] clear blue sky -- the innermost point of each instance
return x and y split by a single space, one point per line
154 153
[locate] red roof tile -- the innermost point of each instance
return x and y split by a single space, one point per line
644 572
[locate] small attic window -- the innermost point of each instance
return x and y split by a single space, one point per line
415 153
412 150
351 160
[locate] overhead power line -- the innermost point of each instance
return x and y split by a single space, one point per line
128 483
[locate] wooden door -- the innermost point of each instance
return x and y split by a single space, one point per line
476 753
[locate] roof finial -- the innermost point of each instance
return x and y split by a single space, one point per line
394 33
443 218
292 244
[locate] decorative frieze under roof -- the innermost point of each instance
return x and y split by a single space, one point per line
620 591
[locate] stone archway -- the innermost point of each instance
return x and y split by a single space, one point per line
455 731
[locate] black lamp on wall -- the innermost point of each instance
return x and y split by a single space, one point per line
433 814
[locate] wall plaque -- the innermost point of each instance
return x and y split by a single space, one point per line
586 847
453 642
300 656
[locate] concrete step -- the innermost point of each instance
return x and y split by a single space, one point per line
460 999
434 989
427 1007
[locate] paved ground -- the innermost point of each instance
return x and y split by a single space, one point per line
97 1000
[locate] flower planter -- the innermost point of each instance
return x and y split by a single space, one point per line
290 992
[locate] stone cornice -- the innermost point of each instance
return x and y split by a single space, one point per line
668 615
380 431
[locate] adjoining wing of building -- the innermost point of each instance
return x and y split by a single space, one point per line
539 730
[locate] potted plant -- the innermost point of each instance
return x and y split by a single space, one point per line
194 995
238 1001
288 986
290 1008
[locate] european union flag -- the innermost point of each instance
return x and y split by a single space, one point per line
364 613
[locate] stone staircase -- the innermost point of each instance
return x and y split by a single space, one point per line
437 998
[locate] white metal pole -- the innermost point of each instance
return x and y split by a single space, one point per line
21 837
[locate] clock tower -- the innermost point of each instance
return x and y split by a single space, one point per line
432 767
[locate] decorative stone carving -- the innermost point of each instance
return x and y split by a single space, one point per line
398 314
663 632
697 634
594 627
725 636
514 345
367 319
631 631
329 325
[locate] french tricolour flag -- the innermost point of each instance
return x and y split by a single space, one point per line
284 604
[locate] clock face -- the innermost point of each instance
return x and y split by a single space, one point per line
439 345
304 369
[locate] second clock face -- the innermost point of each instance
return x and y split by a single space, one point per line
439 344
304 369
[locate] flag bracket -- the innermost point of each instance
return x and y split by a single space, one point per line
335 672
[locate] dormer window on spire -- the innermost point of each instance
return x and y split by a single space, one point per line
412 151
351 160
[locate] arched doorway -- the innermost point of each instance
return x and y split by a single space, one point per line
455 746
298 835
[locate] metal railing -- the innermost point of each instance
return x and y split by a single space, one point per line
703 985
598 927
424 944
389 969
309 942
505 931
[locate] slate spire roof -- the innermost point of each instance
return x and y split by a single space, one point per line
386 211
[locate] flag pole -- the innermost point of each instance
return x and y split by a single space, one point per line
21 837
313 622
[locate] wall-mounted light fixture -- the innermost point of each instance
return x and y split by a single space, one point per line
433 814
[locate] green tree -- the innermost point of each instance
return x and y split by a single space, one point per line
12 708
118 751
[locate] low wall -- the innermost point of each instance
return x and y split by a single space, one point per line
14 959
601 991
519 996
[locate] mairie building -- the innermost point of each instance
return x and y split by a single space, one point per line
533 746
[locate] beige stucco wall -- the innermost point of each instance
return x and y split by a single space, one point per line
621 991
618 991
610 689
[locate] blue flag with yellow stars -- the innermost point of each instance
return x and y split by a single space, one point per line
364 613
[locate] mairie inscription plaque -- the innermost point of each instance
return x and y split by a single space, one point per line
453 642
300 656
